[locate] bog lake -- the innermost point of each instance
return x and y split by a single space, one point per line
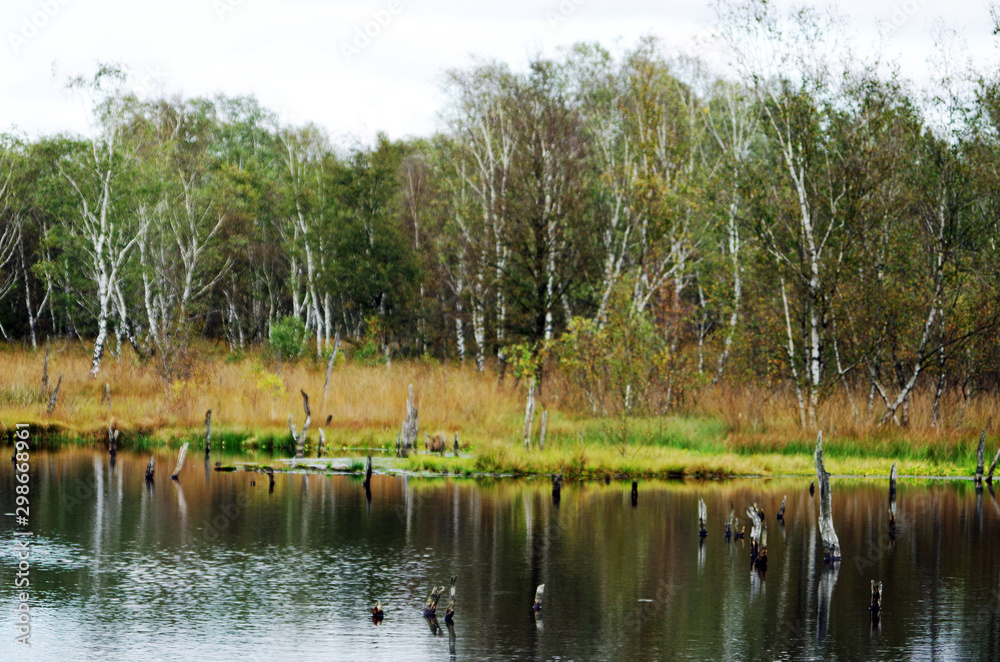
212 567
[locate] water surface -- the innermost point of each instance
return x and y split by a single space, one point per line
213 568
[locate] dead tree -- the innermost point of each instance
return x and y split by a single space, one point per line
329 366
368 473
150 469
180 462
539 593
322 436
892 480
208 432
993 466
781 511
730 524
300 439
456 444
55 396
112 440
979 461
831 544
449 613
529 414
702 518
408 437
758 539
430 608
892 502
875 607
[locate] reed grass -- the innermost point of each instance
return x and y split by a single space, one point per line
730 430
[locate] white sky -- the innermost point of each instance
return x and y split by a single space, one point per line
290 53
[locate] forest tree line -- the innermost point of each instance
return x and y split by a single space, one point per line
645 226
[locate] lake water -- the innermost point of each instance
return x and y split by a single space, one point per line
212 568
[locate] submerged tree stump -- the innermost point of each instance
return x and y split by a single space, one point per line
758 539
180 462
731 523
978 479
449 612
456 444
208 432
557 481
781 511
539 593
150 469
702 518
368 473
831 544
408 434
635 492
430 608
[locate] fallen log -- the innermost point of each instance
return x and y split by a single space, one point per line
180 462
831 544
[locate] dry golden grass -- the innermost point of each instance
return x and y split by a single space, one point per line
731 429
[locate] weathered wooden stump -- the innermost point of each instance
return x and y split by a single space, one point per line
702 518
208 432
456 444
781 511
300 439
557 481
368 473
539 593
150 469
180 462
730 523
430 608
449 612
411 425
978 478
55 396
529 414
993 466
831 544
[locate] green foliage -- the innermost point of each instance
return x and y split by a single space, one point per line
289 337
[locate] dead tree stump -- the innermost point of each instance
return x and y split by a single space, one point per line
430 608
529 414
449 613
150 469
702 518
408 435
300 439
55 396
781 511
539 593
978 479
180 462
730 524
208 432
831 544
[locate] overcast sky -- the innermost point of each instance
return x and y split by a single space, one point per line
303 58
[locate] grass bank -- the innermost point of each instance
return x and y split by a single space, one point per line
251 405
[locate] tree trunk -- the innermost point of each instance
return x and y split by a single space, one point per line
831 544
